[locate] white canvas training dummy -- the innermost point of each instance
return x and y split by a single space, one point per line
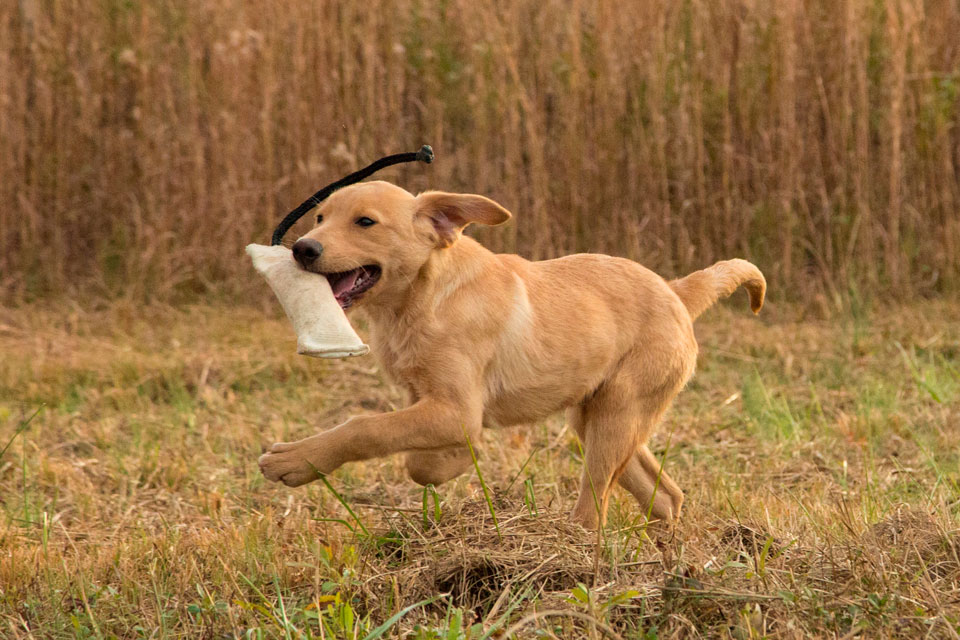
321 326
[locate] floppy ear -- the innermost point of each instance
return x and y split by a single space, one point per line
449 213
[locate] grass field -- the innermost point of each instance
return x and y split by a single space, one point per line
819 457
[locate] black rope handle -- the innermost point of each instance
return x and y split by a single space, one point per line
425 154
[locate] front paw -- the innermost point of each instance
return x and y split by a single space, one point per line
289 463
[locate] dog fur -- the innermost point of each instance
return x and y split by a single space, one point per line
484 340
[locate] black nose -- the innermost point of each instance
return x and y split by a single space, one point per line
306 251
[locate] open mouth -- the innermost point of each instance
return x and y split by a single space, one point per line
348 286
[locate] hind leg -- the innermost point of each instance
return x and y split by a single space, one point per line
601 468
644 478
605 424
614 426
437 467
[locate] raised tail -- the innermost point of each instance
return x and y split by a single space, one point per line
701 289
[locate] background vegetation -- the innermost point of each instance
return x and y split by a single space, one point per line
144 143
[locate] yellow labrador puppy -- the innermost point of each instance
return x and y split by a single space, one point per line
482 340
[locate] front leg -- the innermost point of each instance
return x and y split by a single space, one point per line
426 425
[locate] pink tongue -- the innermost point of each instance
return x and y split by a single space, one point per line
345 283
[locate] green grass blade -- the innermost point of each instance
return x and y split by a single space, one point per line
483 485
20 429
522 467
392 620
341 500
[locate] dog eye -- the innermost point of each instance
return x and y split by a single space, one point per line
365 222
319 219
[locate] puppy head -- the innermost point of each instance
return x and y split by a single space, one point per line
372 238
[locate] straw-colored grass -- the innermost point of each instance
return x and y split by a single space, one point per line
819 457
144 143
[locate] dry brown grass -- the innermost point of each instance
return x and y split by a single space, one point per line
820 460
144 143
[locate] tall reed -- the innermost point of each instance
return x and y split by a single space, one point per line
142 144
